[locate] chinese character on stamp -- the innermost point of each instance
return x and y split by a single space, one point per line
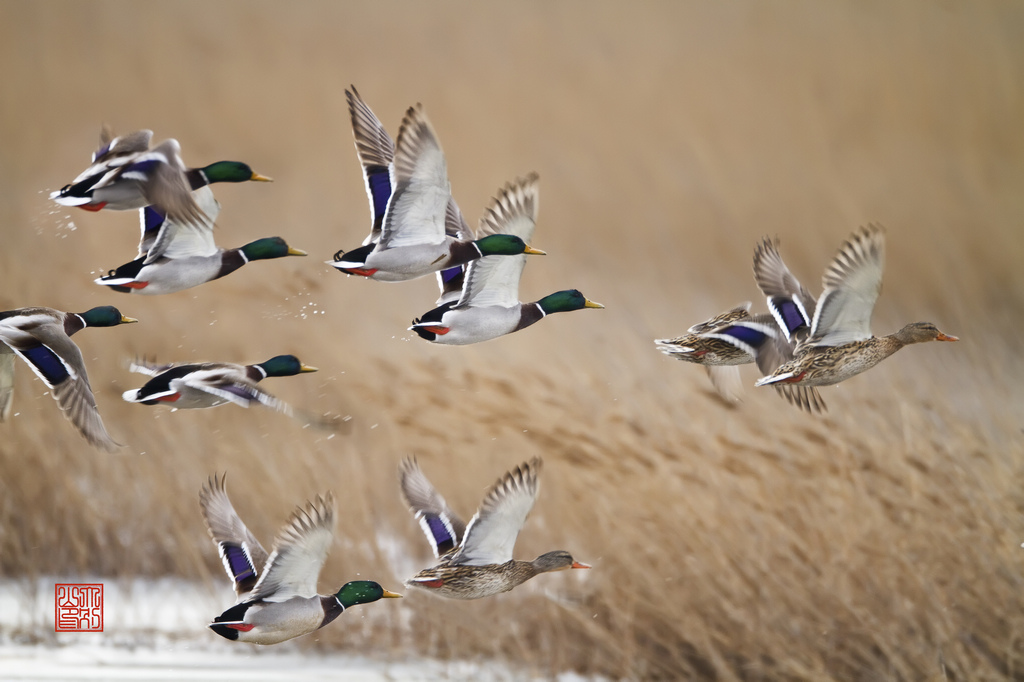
79 607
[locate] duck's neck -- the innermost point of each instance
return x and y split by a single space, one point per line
73 322
332 609
528 314
196 178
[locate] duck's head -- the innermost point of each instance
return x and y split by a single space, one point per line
270 247
362 592
559 560
564 301
284 366
919 332
505 245
232 171
105 316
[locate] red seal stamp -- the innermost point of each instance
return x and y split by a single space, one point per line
79 607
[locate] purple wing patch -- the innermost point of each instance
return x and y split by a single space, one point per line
439 531
152 219
378 182
789 313
101 151
241 391
451 273
751 337
47 363
239 564
146 166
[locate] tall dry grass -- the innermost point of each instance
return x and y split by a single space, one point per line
752 542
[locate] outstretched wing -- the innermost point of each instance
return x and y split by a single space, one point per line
851 282
299 554
229 383
416 212
790 303
160 173
376 153
164 237
492 532
243 555
494 280
59 363
443 528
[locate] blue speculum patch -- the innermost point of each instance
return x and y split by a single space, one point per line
791 316
143 167
747 335
101 151
439 530
379 183
153 219
451 273
241 568
48 364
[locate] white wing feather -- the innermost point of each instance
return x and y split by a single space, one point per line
491 534
416 211
494 280
851 285
299 554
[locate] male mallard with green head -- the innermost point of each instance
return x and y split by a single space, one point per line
42 338
277 595
125 174
175 257
410 182
488 305
209 384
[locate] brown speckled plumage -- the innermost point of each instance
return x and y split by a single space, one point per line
840 344
480 565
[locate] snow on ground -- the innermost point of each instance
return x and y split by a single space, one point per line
155 630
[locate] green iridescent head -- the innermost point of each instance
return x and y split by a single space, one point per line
232 171
270 247
284 366
505 245
362 592
564 301
105 316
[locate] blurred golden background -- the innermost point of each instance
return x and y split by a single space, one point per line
881 541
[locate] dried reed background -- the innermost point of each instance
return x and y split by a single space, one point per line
756 542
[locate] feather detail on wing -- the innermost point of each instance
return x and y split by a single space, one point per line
806 398
59 363
443 528
164 237
376 153
6 381
299 553
164 184
852 282
738 313
491 534
494 280
790 302
148 368
451 280
132 143
243 556
726 380
230 383
416 212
